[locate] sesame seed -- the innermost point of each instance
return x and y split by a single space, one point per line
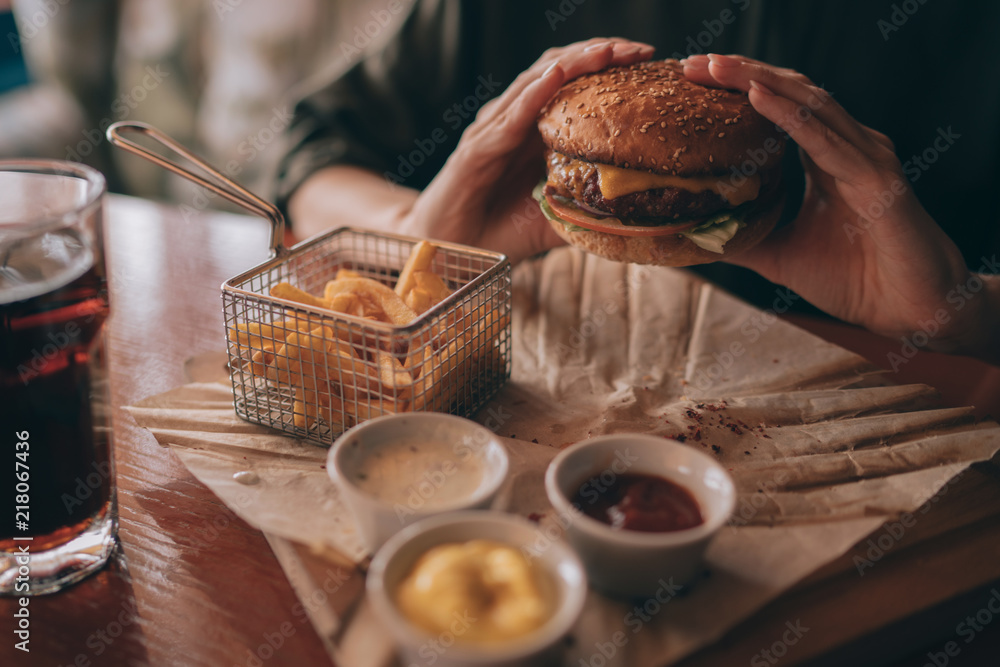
661 138
568 121
711 159
698 116
722 134
709 120
617 132
700 128
685 133
580 105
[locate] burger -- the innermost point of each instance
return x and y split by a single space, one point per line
646 166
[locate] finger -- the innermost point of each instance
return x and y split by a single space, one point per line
486 147
520 116
737 73
696 68
528 102
575 60
881 138
784 71
597 57
829 150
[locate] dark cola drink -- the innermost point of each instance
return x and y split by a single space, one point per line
53 379
57 503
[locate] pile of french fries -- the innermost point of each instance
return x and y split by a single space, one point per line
350 374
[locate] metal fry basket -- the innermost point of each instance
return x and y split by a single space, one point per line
312 372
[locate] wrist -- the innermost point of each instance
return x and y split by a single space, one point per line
974 328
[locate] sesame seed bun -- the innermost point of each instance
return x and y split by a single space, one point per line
648 116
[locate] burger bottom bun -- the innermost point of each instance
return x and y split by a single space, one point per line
673 249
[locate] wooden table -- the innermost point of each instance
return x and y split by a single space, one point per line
194 585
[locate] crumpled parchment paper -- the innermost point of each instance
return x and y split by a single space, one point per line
823 451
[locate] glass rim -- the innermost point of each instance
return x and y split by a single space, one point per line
97 187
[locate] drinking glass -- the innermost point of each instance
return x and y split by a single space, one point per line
58 518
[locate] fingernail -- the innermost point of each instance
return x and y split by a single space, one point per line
551 68
723 61
597 47
760 88
697 62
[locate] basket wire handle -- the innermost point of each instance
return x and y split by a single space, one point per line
218 183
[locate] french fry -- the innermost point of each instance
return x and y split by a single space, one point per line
330 289
261 359
432 284
362 407
305 408
441 375
285 369
300 362
371 290
309 361
347 273
256 334
420 259
395 379
291 293
419 300
344 303
489 326
332 409
417 358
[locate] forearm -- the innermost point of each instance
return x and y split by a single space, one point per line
350 196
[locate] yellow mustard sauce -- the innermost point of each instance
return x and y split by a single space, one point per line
479 591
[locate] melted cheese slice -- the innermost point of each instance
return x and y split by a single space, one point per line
616 182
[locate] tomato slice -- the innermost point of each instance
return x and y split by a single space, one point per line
577 217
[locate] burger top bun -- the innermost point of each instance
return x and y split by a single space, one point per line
648 116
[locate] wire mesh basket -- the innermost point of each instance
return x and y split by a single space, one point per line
312 372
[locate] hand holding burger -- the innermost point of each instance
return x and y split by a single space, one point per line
889 268
484 189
